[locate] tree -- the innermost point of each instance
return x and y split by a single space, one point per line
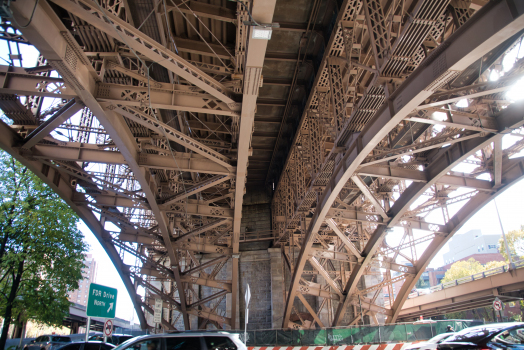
41 249
515 240
462 269
467 268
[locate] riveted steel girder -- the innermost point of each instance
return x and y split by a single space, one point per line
460 50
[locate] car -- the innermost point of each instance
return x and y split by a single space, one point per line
430 344
185 341
497 336
89 345
47 342
115 339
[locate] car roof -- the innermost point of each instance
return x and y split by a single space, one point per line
52 335
185 334
90 341
495 325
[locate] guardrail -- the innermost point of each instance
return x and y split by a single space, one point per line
495 271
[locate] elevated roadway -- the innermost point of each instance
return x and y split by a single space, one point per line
479 290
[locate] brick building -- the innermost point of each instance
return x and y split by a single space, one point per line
79 296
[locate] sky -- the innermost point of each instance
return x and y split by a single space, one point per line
509 203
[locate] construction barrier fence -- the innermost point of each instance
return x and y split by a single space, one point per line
397 333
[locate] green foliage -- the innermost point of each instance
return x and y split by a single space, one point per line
462 269
515 240
41 248
493 264
467 268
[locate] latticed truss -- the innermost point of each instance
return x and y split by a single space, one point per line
416 151
147 144
148 137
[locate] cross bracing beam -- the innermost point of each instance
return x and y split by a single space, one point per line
62 52
202 229
163 98
463 48
64 113
76 152
136 40
15 80
391 172
171 133
513 172
446 160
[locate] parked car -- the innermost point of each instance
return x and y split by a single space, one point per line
90 345
430 344
115 339
184 341
490 336
47 342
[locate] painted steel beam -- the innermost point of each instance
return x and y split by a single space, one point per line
199 187
202 247
60 116
390 172
171 99
349 245
170 133
513 171
198 209
465 46
15 80
209 298
202 229
205 265
138 41
76 152
262 12
207 282
370 196
61 51
481 287
196 8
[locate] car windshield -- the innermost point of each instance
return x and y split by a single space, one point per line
475 334
124 344
438 338
124 338
61 339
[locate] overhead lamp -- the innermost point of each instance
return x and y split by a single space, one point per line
260 32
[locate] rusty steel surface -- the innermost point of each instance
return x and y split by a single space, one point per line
164 114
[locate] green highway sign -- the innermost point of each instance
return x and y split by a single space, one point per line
101 301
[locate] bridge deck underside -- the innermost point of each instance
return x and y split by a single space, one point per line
374 124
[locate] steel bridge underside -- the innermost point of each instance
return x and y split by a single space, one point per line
352 117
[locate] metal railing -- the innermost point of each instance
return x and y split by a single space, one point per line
495 271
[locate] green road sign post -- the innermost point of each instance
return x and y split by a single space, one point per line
101 302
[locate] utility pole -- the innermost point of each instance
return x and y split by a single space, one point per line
511 265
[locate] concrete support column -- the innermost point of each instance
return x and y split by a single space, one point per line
277 287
